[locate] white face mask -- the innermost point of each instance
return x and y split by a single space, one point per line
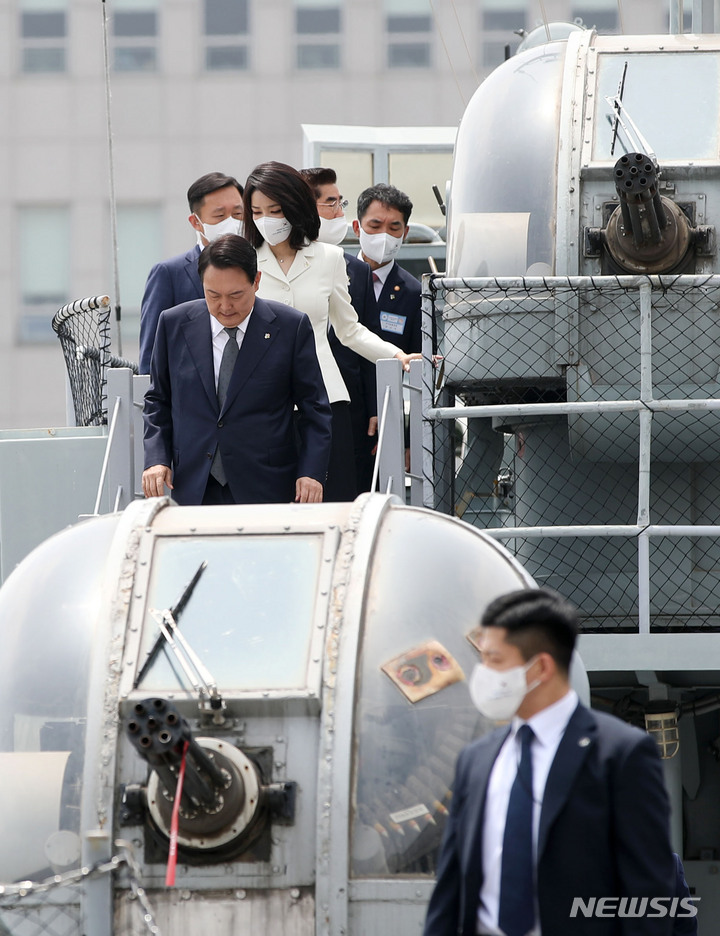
498 694
273 230
332 230
213 231
379 247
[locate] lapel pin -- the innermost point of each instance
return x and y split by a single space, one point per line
396 288
267 334
583 742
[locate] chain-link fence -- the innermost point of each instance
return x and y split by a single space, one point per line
578 419
58 906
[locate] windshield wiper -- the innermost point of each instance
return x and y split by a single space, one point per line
174 613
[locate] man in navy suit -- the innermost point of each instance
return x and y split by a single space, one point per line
559 816
357 372
226 373
215 202
383 213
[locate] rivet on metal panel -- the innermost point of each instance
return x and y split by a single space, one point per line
418 893
129 662
240 894
185 894
279 765
240 529
295 893
276 869
279 739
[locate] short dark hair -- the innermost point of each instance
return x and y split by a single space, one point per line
386 195
317 177
229 250
537 620
206 184
284 184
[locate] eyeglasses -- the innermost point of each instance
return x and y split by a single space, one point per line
335 203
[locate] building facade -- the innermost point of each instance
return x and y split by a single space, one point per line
196 86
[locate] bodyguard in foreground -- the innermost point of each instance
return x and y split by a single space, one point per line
563 806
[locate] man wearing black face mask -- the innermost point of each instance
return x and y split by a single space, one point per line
562 812
215 202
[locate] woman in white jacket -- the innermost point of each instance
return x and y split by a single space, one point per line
282 223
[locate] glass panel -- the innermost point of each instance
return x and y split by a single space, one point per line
406 24
409 55
43 25
139 246
415 174
43 698
137 58
318 56
43 60
221 58
413 710
675 79
493 53
44 254
251 615
602 20
503 19
226 18
317 20
354 172
135 23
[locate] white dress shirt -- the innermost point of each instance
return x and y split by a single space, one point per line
220 338
548 728
379 276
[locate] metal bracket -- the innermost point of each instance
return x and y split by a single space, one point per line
281 801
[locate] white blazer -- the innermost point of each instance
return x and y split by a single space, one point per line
316 284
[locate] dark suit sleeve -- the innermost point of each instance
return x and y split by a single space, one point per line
643 857
157 411
362 295
311 399
159 294
443 914
683 925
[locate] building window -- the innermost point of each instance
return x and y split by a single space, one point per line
135 34
600 14
44 241
43 32
409 27
226 35
318 24
500 23
139 231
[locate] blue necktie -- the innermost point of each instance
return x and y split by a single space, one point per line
227 365
517 889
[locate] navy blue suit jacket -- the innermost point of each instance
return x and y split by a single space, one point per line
169 283
356 371
277 367
399 306
603 832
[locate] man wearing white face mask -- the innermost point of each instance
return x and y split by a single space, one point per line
215 202
383 212
565 803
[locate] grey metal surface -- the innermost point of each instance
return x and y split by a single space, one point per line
49 478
